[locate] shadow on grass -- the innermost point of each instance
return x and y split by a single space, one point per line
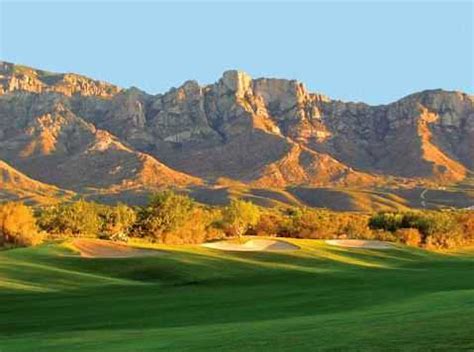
204 286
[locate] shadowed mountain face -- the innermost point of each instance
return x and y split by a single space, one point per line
78 133
17 186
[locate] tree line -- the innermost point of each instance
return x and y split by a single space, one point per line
174 218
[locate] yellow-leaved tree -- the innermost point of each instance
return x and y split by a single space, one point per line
18 225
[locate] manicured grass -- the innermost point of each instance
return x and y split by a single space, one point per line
197 299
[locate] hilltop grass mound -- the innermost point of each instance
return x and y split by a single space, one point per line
253 245
369 244
89 248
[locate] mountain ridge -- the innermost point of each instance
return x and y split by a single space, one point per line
17 186
265 132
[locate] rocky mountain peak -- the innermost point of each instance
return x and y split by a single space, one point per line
270 89
266 131
236 82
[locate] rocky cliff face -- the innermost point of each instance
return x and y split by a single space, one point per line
42 136
22 78
268 132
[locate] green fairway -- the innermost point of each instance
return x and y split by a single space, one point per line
197 299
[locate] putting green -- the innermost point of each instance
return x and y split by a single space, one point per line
319 297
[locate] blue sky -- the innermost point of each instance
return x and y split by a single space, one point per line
365 51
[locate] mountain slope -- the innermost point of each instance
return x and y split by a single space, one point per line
245 129
79 133
17 186
43 137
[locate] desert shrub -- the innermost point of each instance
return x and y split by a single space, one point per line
410 237
386 221
304 223
166 212
435 229
193 230
289 224
239 216
314 224
201 225
382 235
354 226
214 233
271 223
116 221
429 223
444 240
324 224
18 225
466 222
176 219
77 218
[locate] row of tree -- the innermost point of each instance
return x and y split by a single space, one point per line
439 229
168 218
177 219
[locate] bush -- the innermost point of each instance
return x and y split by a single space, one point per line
192 231
410 237
355 226
116 222
18 225
466 222
323 224
433 229
240 216
166 212
176 219
382 235
77 218
386 221
314 224
444 240
269 224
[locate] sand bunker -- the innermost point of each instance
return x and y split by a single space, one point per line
252 245
107 249
360 244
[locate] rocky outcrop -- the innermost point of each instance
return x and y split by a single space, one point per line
402 138
266 132
44 138
21 78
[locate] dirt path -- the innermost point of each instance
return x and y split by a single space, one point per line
422 197
90 248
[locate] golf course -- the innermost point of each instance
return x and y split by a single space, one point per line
306 296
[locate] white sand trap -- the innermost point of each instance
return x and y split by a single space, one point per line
252 245
106 249
360 244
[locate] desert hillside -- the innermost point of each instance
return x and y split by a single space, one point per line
82 134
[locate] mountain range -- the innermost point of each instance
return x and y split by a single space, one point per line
69 134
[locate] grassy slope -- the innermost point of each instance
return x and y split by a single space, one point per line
342 199
196 299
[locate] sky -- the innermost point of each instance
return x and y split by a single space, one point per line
369 51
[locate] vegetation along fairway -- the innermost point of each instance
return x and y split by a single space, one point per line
191 298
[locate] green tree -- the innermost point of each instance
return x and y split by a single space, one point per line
116 220
77 218
386 221
240 215
165 212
